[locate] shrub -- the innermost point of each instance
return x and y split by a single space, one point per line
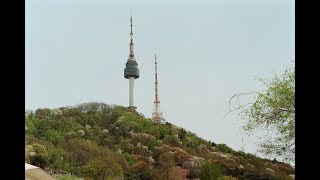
54 136
102 167
224 148
140 170
208 171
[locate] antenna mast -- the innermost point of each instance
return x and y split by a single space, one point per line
131 56
157 116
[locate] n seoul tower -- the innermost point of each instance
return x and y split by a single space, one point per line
156 115
131 71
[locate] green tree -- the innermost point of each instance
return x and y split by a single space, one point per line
32 124
207 170
273 110
81 151
54 136
224 148
41 157
103 167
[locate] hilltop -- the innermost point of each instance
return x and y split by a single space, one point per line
100 141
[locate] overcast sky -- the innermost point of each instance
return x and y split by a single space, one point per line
207 51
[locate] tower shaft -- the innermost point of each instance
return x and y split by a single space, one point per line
131 87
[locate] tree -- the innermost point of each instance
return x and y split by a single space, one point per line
166 162
274 111
81 151
208 170
224 148
103 167
140 170
41 157
182 134
54 136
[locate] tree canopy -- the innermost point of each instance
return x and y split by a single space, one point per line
272 112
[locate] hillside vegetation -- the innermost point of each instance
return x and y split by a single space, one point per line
100 141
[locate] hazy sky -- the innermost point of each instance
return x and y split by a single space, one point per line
207 51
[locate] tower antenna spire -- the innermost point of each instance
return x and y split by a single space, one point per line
131 20
131 55
157 116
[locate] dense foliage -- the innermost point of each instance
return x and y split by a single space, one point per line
100 141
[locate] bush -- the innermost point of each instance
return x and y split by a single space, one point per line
140 170
80 151
224 148
54 136
102 167
208 171
172 141
41 157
